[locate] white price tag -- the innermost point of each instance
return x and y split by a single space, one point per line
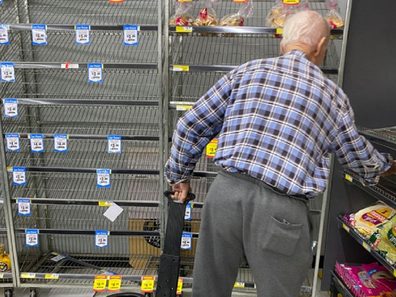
4 38
101 238
32 237
113 212
60 143
39 34
19 176
83 34
114 144
12 140
103 178
187 215
186 241
24 207
7 72
37 143
95 73
131 35
10 108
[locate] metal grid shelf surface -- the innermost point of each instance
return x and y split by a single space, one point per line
82 12
76 119
9 12
118 84
387 134
105 47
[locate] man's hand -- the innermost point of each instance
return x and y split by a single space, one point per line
390 171
181 191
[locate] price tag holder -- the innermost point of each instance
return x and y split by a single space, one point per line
291 2
348 178
105 203
7 72
12 140
181 68
101 238
241 1
183 107
239 285
60 143
28 275
83 34
100 283
39 34
4 37
131 35
103 178
187 214
114 144
147 284
37 143
366 247
346 228
184 0
116 1
32 237
211 148
10 107
279 31
51 276
181 29
179 286
95 73
19 176
114 283
24 207
186 241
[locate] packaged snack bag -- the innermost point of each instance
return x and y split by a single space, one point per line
382 278
384 240
207 14
238 19
333 17
182 16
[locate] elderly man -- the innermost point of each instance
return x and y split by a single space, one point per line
277 120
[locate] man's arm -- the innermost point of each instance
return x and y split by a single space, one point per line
193 132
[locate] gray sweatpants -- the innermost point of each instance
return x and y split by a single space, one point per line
244 219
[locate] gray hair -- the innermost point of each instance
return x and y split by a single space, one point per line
307 27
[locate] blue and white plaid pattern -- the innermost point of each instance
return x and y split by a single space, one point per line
276 119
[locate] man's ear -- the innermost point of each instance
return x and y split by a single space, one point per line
322 44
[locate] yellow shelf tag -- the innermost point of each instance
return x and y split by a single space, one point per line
183 107
366 247
1 275
241 1
345 227
147 284
179 286
114 283
100 283
291 2
211 148
279 31
394 272
184 0
105 203
348 177
181 29
181 68
28 275
52 276
239 285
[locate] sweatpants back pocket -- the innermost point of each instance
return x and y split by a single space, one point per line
281 237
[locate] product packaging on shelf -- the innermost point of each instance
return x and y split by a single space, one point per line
384 240
333 17
182 16
238 19
207 15
281 10
5 261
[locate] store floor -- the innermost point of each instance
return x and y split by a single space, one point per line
88 292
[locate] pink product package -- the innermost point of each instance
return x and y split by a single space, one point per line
382 278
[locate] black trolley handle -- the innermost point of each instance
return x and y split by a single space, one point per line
168 194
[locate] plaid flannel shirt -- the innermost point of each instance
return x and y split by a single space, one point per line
277 120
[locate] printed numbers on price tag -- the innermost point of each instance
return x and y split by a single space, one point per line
100 283
186 241
32 237
103 178
10 108
131 35
83 34
60 143
291 2
4 38
95 73
114 283
39 34
211 148
7 72
37 143
12 140
114 144
187 214
19 176
24 207
101 238
147 284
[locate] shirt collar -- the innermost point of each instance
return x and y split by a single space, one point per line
297 53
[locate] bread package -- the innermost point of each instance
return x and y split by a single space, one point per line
333 17
182 16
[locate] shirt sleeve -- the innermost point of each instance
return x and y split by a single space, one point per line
355 151
195 130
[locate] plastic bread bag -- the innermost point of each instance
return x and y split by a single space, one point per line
238 19
277 16
384 241
367 220
207 14
182 16
333 17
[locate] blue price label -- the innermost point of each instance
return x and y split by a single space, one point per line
32 237
10 107
12 141
95 72
187 215
4 37
7 72
186 241
24 207
131 35
19 176
101 238
83 34
103 178
60 143
37 143
39 34
114 144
